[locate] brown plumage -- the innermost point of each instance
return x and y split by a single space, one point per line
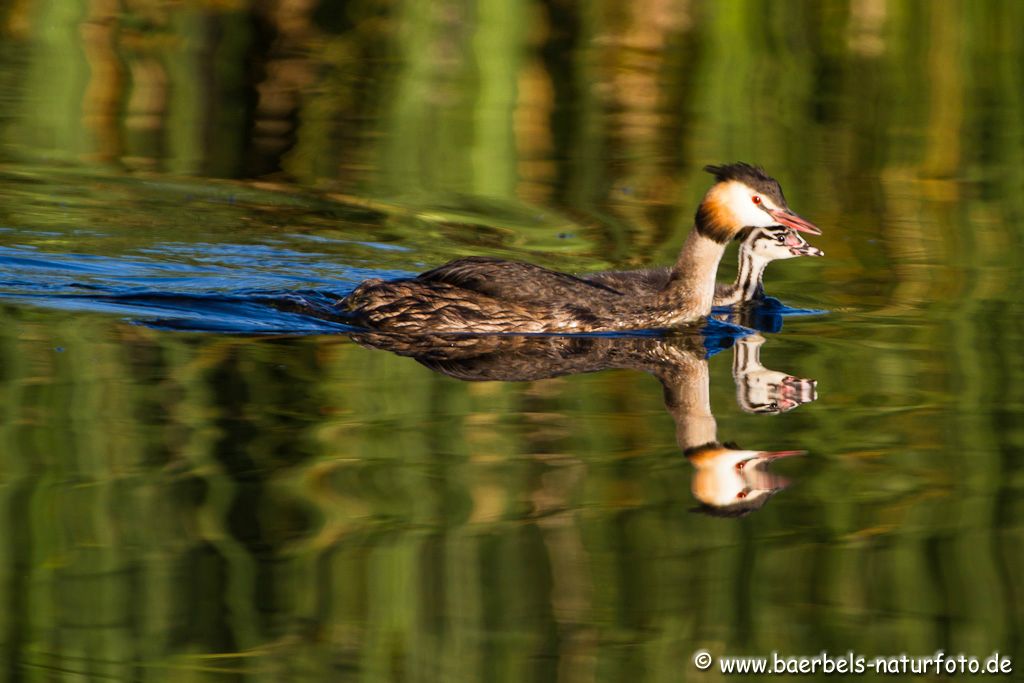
482 295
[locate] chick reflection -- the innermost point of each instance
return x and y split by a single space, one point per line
728 481
760 390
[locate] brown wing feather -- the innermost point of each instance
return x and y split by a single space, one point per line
644 282
515 280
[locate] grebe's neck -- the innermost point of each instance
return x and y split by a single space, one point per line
749 274
746 357
688 399
692 283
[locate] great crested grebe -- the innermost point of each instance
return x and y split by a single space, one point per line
484 295
760 247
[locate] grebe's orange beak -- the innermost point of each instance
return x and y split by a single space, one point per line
775 455
791 220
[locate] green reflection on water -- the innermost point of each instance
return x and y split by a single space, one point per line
177 506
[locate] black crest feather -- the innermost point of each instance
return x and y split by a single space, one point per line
754 176
737 171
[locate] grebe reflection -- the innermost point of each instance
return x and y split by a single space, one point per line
728 480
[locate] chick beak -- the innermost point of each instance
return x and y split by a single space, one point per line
807 250
798 246
791 220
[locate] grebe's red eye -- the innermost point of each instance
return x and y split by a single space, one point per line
741 494
756 199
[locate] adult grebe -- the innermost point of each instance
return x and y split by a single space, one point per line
484 295
760 247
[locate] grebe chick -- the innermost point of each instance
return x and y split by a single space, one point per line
761 390
482 295
760 247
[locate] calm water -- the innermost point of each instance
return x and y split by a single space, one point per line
203 479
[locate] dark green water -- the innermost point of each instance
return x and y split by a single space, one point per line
269 500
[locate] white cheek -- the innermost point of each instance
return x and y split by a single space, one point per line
746 210
775 252
759 217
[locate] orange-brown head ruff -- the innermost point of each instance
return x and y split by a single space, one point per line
742 196
730 482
